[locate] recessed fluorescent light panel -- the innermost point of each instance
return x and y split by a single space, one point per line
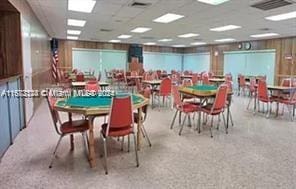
114 41
213 2
280 17
179 46
74 32
72 37
150 43
188 35
198 43
264 35
225 28
165 40
74 22
140 30
81 5
124 36
167 18
225 40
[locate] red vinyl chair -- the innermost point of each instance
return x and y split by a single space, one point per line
67 128
263 96
205 79
165 90
218 106
182 107
290 102
80 77
92 86
252 90
195 79
241 84
120 124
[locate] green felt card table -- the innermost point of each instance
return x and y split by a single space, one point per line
94 106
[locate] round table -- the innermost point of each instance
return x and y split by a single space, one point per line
92 107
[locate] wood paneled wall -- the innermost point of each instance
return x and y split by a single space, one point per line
10 44
283 46
65 49
40 49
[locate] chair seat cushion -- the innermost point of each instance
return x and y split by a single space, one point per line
208 110
74 126
116 132
188 108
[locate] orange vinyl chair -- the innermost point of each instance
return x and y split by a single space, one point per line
80 77
120 124
252 91
67 128
242 85
218 106
146 93
182 107
165 90
263 96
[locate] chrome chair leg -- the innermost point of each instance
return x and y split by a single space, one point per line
224 121
55 150
128 143
105 155
230 116
136 150
122 143
146 135
173 121
183 124
212 120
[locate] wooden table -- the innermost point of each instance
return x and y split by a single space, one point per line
217 81
204 92
273 88
79 85
91 112
86 77
186 76
154 84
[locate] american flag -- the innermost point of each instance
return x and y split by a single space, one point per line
55 58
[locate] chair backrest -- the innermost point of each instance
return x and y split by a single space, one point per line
228 77
80 77
229 84
195 78
54 114
176 97
242 80
205 79
262 91
286 82
92 86
187 83
186 72
155 76
252 84
134 73
220 100
165 87
121 115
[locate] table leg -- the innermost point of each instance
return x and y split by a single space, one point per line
91 143
139 128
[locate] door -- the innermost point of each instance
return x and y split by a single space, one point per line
27 67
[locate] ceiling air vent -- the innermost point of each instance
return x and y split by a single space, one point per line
137 4
271 4
105 30
147 37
